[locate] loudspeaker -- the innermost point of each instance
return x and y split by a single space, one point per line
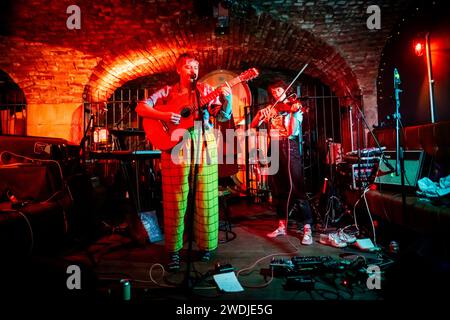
14 149
33 147
414 165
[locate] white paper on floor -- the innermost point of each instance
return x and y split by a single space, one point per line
228 282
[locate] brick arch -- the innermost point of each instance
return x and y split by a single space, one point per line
13 79
255 43
14 102
345 54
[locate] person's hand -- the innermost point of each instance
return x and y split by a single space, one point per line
296 107
225 90
268 113
215 109
172 117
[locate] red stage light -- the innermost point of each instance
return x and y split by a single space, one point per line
419 48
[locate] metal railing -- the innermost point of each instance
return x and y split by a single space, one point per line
320 125
13 116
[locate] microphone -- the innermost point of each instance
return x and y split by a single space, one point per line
397 80
193 76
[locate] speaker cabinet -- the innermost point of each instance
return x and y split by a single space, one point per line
414 167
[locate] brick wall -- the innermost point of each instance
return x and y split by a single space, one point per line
122 40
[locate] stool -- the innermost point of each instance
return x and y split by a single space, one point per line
225 224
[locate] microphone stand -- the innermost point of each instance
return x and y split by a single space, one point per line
399 161
188 282
358 146
383 156
83 140
332 196
127 166
131 107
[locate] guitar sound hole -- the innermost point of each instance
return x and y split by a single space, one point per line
186 112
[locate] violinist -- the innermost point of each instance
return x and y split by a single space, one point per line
284 118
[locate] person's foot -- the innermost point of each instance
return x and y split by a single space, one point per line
207 255
307 235
332 239
280 231
173 263
346 237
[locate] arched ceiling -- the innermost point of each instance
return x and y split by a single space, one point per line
128 39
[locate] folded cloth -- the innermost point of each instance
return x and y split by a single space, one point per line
432 189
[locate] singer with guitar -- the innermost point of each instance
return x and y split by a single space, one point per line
168 109
284 118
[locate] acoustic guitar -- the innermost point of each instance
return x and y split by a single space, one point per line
165 135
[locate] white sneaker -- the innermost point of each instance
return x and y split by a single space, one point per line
307 237
332 239
280 231
346 237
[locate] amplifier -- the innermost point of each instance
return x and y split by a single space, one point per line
363 173
415 161
17 149
352 174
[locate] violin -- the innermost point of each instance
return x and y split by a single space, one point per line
290 104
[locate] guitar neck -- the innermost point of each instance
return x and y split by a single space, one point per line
214 94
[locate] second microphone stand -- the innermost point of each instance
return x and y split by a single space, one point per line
399 161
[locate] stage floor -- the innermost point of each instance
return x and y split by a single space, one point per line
114 257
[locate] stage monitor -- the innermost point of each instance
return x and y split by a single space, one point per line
414 163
